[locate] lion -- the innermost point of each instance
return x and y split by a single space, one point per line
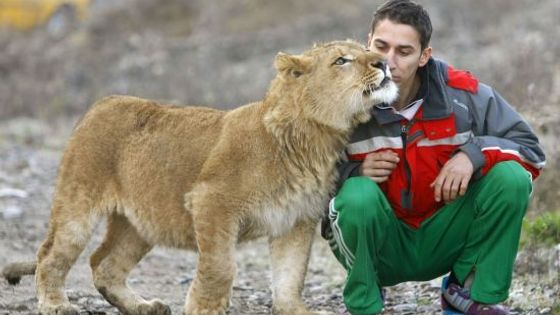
205 179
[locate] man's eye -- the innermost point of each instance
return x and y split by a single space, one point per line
340 61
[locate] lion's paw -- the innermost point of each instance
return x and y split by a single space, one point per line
62 309
206 307
153 307
309 312
297 309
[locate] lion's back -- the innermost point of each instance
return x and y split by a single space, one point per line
129 114
123 143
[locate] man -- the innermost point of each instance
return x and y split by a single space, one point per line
437 182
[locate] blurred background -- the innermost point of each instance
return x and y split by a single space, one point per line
58 56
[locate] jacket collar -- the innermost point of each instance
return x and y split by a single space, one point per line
436 104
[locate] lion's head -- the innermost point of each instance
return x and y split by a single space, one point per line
337 82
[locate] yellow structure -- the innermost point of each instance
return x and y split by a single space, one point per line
27 14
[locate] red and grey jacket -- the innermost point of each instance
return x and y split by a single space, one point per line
457 114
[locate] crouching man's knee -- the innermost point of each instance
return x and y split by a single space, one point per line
511 179
359 201
508 189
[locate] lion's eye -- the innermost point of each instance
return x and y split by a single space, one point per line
340 61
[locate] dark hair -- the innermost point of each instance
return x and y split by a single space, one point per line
405 12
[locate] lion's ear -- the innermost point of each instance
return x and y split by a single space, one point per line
292 65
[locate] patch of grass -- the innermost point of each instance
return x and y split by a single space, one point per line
542 230
424 301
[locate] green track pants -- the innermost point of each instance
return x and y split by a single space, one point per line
477 232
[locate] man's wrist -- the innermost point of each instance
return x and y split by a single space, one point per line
356 171
475 155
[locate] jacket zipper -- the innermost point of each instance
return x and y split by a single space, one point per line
404 136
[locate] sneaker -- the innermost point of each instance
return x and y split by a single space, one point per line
455 300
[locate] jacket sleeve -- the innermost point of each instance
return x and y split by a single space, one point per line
347 169
500 134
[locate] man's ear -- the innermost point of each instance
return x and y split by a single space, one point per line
425 56
292 65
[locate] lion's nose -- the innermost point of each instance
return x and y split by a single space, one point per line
381 64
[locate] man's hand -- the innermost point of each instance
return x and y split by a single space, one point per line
379 165
453 179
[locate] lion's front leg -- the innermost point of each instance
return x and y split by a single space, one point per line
216 235
289 256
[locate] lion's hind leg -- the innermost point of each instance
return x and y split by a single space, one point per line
68 234
111 263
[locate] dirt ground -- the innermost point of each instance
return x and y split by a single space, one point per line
30 151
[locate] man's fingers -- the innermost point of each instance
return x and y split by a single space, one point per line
377 172
384 165
379 165
437 187
389 156
454 190
453 179
454 186
379 179
464 185
446 188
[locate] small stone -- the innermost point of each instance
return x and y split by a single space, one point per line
98 303
517 294
134 280
13 192
21 307
428 309
405 307
12 212
184 279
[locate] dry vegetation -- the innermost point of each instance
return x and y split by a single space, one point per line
219 53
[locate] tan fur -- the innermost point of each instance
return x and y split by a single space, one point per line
205 179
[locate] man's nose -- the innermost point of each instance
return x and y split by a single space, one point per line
390 57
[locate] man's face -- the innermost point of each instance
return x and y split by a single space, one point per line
400 43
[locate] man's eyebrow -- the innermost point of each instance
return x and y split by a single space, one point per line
380 41
401 47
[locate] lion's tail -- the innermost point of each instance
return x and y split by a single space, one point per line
14 271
